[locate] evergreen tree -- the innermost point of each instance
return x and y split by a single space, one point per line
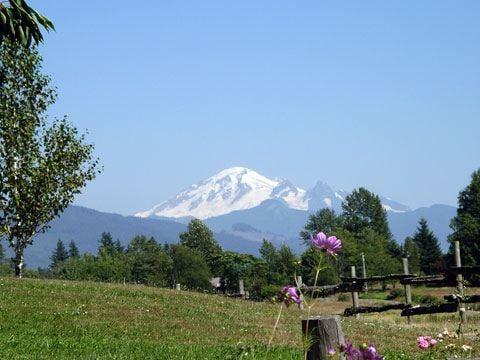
107 246
363 209
59 255
466 224
323 220
119 249
431 259
411 250
199 237
73 250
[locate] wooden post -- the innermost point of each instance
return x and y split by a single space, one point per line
408 288
323 333
241 288
177 287
364 273
458 263
354 294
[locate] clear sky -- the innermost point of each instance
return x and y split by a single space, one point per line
374 93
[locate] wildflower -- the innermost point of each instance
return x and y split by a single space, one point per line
369 352
350 351
331 244
466 348
425 342
331 351
289 294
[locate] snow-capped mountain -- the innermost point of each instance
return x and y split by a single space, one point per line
232 189
239 188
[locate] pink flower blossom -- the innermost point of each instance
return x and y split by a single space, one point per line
425 342
331 244
289 294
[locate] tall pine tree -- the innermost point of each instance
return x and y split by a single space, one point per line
431 259
59 255
73 250
466 225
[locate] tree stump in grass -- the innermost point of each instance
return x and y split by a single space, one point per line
322 333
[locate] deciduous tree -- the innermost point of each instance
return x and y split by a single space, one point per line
43 164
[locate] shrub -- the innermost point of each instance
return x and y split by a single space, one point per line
269 291
343 297
395 294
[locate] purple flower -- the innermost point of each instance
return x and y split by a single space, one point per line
331 351
425 342
350 352
331 244
365 352
369 352
289 295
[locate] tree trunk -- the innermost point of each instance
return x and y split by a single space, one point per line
18 262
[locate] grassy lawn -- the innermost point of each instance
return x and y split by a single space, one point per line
53 319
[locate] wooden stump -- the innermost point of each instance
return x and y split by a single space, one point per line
322 333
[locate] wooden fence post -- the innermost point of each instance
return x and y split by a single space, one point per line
354 294
177 287
241 288
323 333
408 288
458 263
364 273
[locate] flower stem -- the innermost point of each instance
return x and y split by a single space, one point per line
275 326
310 306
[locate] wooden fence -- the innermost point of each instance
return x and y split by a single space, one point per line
452 276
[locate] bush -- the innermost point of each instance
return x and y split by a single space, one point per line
395 294
267 292
343 297
426 299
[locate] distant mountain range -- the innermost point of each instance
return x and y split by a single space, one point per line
241 206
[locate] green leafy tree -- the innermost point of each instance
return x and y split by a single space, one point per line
73 251
324 220
20 23
412 252
363 209
431 259
199 237
149 264
43 165
190 268
466 224
60 254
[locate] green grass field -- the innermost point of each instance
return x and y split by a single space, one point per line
51 319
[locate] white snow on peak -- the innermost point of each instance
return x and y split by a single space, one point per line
236 188
240 188
389 208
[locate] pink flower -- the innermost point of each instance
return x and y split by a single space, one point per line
425 342
289 294
331 244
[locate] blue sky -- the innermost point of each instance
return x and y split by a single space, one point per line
377 94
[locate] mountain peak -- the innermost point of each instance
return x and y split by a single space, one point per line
240 188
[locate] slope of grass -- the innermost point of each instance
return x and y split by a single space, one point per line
53 319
